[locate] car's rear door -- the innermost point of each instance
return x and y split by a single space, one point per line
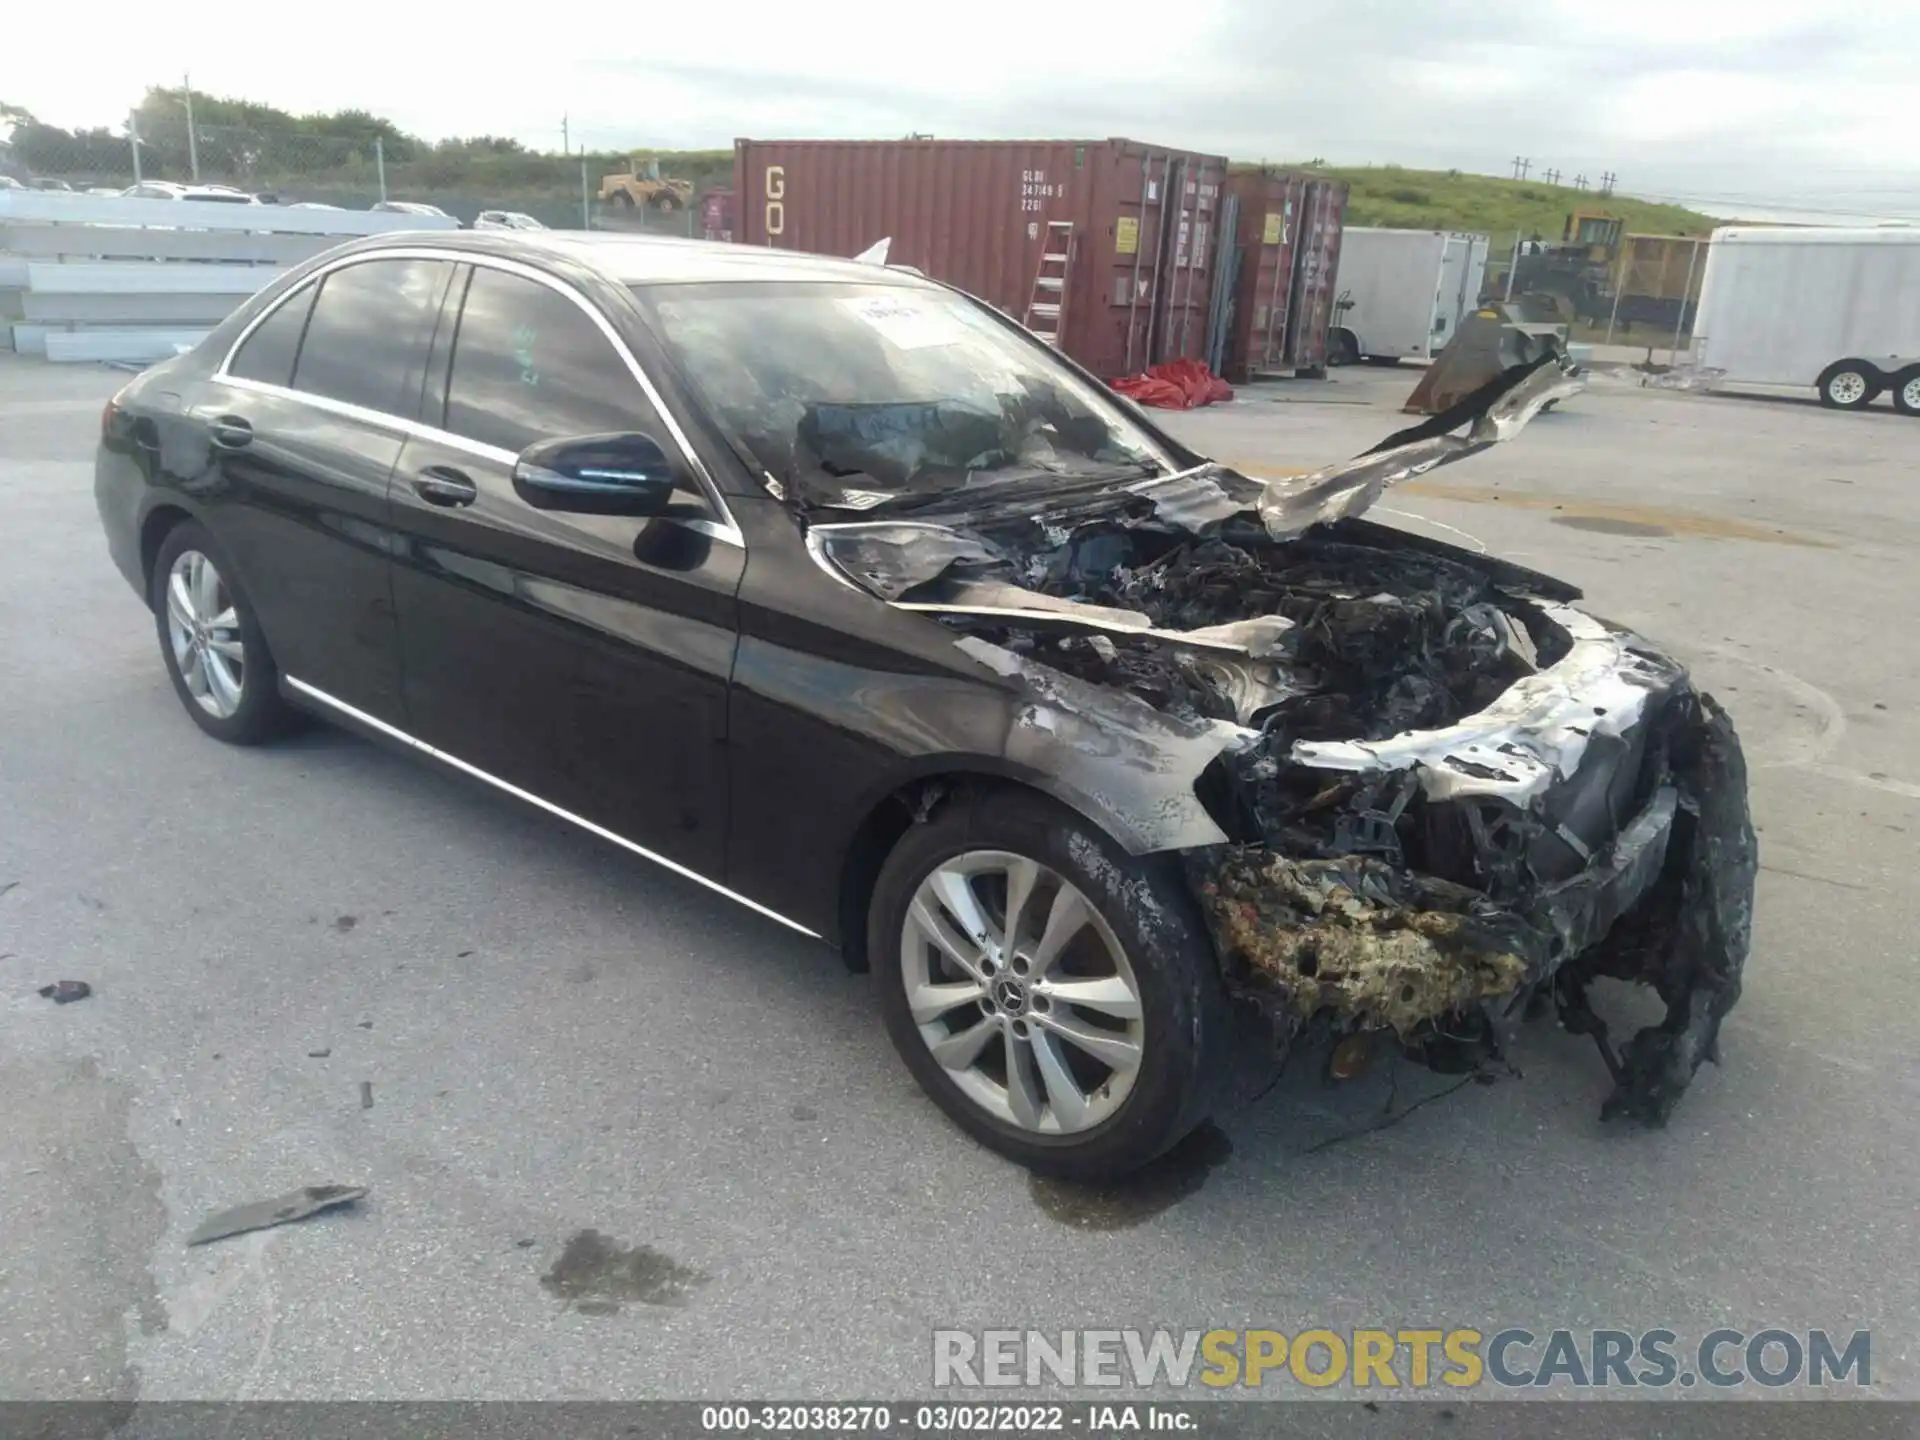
582 659
301 427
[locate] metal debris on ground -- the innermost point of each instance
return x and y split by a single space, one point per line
366 1094
264 1214
65 992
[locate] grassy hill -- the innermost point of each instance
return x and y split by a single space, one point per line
1389 195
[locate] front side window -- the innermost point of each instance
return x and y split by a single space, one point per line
529 364
857 395
269 352
367 338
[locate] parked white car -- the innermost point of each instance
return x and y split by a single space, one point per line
408 207
505 220
174 190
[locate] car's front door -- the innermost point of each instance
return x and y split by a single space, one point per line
581 658
299 434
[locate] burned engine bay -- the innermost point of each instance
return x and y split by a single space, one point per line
1413 789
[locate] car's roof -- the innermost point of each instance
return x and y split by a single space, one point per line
660 260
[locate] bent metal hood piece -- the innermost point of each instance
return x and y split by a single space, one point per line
1414 789
1495 412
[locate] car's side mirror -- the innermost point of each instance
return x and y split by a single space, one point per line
618 474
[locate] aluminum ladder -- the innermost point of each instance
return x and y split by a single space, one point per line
1047 304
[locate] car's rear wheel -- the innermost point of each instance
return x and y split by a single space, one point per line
1053 995
211 643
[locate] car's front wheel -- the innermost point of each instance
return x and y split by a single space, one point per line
1053 995
211 643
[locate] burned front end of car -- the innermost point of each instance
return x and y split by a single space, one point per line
1593 822
1414 789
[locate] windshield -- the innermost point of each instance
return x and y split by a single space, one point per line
853 396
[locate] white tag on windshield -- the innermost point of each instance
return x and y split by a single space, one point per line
904 324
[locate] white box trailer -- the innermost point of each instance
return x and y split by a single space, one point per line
1837 310
1403 293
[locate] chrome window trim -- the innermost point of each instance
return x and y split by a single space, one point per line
395 733
723 528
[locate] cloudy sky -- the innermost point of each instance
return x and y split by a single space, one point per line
1728 104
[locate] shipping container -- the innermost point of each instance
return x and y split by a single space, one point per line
1268 206
1283 272
1316 274
1403 293
716 215
1137 225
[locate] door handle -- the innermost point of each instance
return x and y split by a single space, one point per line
230 432
444 485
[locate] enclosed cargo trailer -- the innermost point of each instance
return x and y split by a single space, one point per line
1836 309
1104 247
1403 293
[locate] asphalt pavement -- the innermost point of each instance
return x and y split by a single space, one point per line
324 963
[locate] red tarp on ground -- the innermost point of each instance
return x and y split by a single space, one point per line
1175 385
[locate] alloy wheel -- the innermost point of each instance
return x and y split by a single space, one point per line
204 630
1022 992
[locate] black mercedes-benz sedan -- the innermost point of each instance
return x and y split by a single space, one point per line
835 591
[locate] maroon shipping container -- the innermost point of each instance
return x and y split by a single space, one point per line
716 215
984 214
1316 272
1270 206
1288 228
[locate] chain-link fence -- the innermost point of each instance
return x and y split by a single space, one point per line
463 178
1639 290
1632 290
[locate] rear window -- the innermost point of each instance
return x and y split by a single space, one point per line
269 353
367 338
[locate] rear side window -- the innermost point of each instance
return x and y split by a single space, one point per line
367 338
529 364
269 352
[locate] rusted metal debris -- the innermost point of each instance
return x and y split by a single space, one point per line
263 1214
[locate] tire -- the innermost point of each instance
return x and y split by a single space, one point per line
1139 948
1850 385
211 643
1906 391
666 202
1382 362
622 200
1343 348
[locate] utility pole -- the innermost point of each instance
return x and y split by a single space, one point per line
1521 165
564 142
1552 177
1606 182
193 142
1580 181
133 140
